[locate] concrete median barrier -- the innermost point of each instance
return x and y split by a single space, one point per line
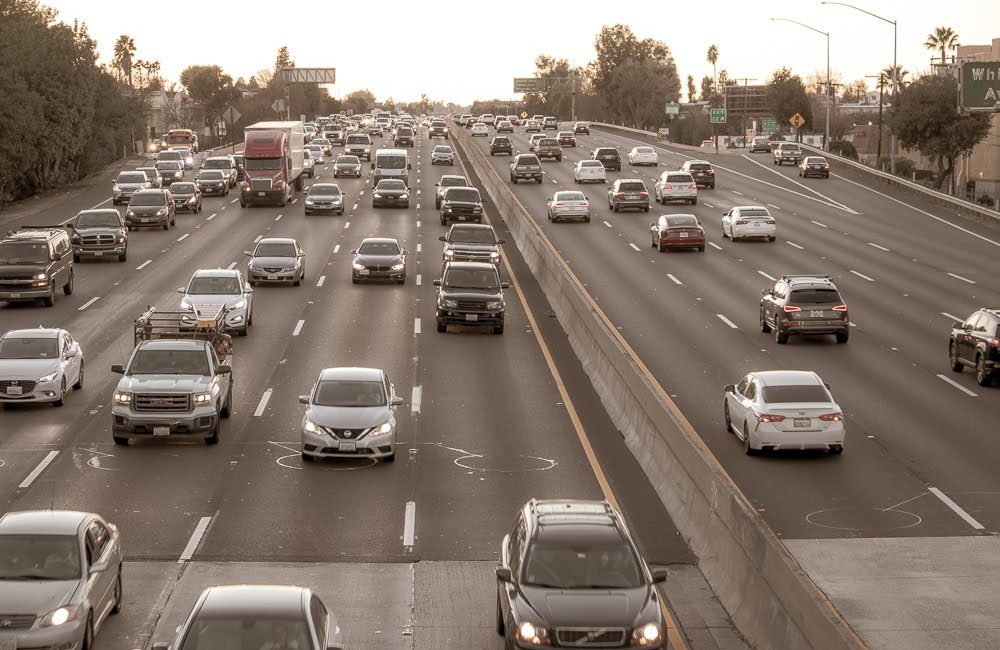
770 598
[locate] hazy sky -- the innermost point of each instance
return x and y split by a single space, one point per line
464 51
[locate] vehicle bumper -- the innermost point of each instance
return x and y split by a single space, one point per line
378 275
454 317
677 196
236 320
571 214
390 203
639 162
27 293
184 205
213 191
770 436
462 216
815 327
507 151
256 275
327 446
251 197
199 422
625 204
534 176
347 172
687 242
326 207
806 173
111 251
749 233
443 161
592 178
138 222
68 636
47 391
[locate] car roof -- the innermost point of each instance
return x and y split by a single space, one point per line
353 373
216 273
276 240
471 266
173 344
571 511
471 226
697 162
43 522
805 281
36 333
147 191
38 234
787 378
380 240
252 600
100 211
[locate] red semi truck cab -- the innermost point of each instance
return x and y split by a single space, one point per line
273 154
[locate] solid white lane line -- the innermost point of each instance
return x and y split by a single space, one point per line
771 205
183 237
881 248
262 404
863 276
231 266
768 276
715 246
416 326
707 204
954 318
956 508
298 328
675 280
30 478
336 249
192 545
419 248
823 198
727 321
409 524
143 265
415 400
958 277
608 224
88 303
794 245
820 224
347 224
634 247
322 279
957 385
735 192
418 279
212 216
278 218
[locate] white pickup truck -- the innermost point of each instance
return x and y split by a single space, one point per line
787 152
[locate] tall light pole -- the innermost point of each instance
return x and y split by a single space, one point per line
895 71
826 137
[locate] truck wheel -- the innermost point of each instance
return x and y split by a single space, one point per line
213 437
227 410
121 441
498 329
50 300
441 327
123 256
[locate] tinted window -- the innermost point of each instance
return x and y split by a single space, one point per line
632 187
679 178
217 164
98 220
391 162
679 222
147 199
472 236
391 185
700 166
590 163
472 279
644 150
442 149
467 194
343 392
759 212
39 557
570 196
214 285
262 163
324 189
133 177
169 362
210 176
548 142
182 188
29 348
815 160
348 160
23 253
379 248
527 160
822 296
605 562
790 394
274 249
211 633
451 181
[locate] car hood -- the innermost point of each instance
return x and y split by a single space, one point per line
165 383
99 230
209 181
593 608
467 246
347 165
21 271
37 597
27 368
145 209
226 299
348 417
462 204
470 294
391 192
272 261
325 197
379 260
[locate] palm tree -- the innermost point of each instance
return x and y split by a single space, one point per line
124 51
901 74
944 39
713 57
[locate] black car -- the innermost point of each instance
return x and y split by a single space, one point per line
471 242
324 197
526 166
470 293
212 182
804 304
566 139
403 137
628 193
976 343
581 128
35 261
814 166
571 576
151 208
442 186
347 166
187 196
501 144
609 157
379 258
438 129
461 204
99 233
391 192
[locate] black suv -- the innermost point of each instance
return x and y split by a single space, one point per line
502 144
99 233
526 166
976 343
404 137
571 576
35 261
628 193
438 129
470 293
471 242
610 157
804 304
549 148
461 204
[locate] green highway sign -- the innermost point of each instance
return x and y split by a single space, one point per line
717 115
671 108
529 85
980 82
769 124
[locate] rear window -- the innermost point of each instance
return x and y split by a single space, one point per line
758 213
679 178
527 160
548 142
818 296
635 186
682 222
699 166
644 150
798 393
607 152
453 181
815 160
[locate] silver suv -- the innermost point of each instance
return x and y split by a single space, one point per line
215 288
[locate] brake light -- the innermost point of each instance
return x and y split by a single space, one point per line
620 194
770 222
559 205
840 308
789 309
693 186
710 171
767 417
668 186
995 342
643 193
742 222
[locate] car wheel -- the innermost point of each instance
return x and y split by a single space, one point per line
501 627
62 394
772 238
725 416
123 256
842 337
694 201
213 437
836 450
441 326
227 410
76 259
750 451
764 327
121 441
79 379
296 283
245 330
355 280
68 287
88 635
780 335
166 226
982 374
953 361
498 329
391 458
701 249
119 595
308 458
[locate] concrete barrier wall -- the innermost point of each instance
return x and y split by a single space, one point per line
770 598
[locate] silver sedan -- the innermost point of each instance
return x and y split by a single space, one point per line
568 205
276 259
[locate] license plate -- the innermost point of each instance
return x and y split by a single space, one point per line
98 253
271 276
145 220
816 313
161 431
346 445
261 193
14 296
15 390
9 643
802 423
684 235
631 196
472 317
364 272
462 217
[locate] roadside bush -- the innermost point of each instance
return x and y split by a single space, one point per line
844 148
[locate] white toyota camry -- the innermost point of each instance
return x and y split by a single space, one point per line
590 171
643 156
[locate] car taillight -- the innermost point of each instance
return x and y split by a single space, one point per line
710 171
770 222
620 194
668 186
789 309
832 417
768 417
559 205
643 193
995 342
693 186
742 222
840 308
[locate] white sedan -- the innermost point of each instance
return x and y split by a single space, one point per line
643 156
590 171
39 365
783 409
480 129
749 222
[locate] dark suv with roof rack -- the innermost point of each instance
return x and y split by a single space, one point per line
804 304
570 576
976 343
35 261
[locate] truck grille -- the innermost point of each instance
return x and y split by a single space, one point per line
260 184
97 241
161 403
16 621
590 637
467 256
27 385
471 305
344 434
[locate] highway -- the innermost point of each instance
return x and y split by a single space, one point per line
403 553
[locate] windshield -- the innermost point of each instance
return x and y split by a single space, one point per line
29 348
23 253
169 155
208 175
472 236
643 150
182 188
262 163
391 185
166 167
472 279
39 557
314 148
133 177
590 163
442 149
274 250
454 181
217 164
323 189
791 394
214 285
379 248
98 220
467 194
169 362
584 564
346 392
251 633
390 162
348 160
153 199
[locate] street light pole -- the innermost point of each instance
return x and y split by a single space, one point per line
826 136
895 71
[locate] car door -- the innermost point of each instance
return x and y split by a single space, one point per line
100 584
967 338
71 365
511 558
727 221
61 261
734 400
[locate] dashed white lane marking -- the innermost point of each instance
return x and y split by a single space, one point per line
192 545
418 191
143 265
608 224
298 328
30 478
739 193
675 280
212 216
418 279
820 224
727 321
771 205
956 508
715 246
231 266
184 236
418 223
355 207
634 247
418 206
262 404
767 275
278 218
415 400
419 248
794 245
336 249
416 326
958 277
347 224
707 204
953 317
322 279
957 385
823 198
89 303
233 201
409 525
863 276
295 200
881 248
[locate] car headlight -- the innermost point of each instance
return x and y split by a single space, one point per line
398 267
376 195
193 199
77 239
309 201
449 303
41 276
310 427
494 304
449 254
60 616
120 239
358 267
116 189
123 398
161 212
533 634
647 635
240 304
186 306
382 430
202 398
48 377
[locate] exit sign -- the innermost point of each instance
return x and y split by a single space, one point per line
717 115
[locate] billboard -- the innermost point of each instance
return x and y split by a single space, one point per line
749 100
980 83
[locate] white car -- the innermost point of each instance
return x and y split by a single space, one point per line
186 156
675 186
643 156
318 156
590 171
210 289
308 164
533 140
747 222
784 409
480 129
39 365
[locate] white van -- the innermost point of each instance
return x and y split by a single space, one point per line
391 163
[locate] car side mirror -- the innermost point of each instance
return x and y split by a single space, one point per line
180 289
505 285
224 370
248 253
437 184
248 290
730 388
405 252
504 574
118 369
436 283
409 166
442 238
71 226
659 574
354 251
97 567
724 213
764 292
303 399
396 401
70 353
958 326
827 385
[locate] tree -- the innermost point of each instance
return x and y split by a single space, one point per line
359 101
209 85
710 94
692 90
943 39
639 90
924 118
785 95
901 75
282 60
617 44
713 57
122 61
856 92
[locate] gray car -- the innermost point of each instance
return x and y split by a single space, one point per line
325 197
151 208
568 205
350 413
442 154
347 166
379 258
276 259
442 186
217 287
257 616
60 578
126 184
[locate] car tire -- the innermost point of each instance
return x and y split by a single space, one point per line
88 635
442 327
213 437
62 394
764 327
701 249
166 226
750 451
498 329
725 416
501 626
355 280
694 201
513 180
308 458
953 361
773 238
253 283
121 441
245 330
391 458
79 379
843 337
226 411
983 377
76 259
836 450
123 256
119 593
660 247
296 283
780 335
68 287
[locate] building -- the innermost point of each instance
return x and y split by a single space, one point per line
172 109
979 172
